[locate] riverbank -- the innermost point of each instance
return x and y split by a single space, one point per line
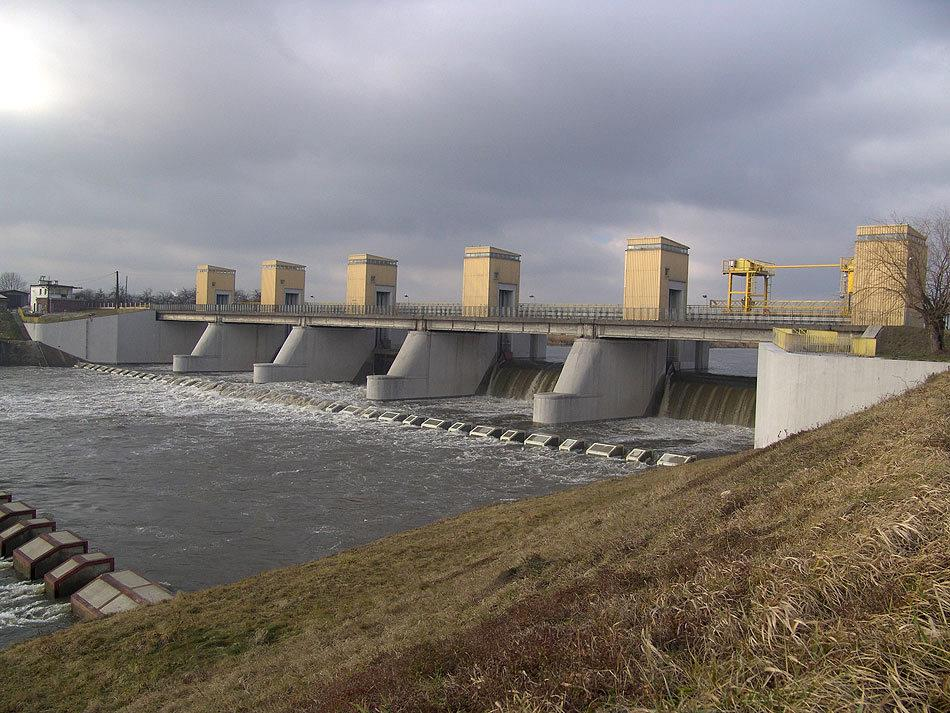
17 349
804 576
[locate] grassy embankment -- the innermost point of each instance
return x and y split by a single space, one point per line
812 575
909 343
10 328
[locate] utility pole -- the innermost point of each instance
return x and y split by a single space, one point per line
117 289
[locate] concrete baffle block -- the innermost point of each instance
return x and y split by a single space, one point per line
640 455
41 554
486 432
572 445
75 573
605 450
15 511
542 440
674 459
22 532
116 592
5 497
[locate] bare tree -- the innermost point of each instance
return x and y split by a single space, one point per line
11 281
918 273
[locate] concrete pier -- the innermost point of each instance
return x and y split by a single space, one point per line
231 347
435 365
319 354
700 356
603 379
529 346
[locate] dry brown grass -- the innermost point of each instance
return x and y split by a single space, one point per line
810 576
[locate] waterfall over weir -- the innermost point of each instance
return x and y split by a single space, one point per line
710 397
522 379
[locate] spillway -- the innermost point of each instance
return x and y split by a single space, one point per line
521 379
710 397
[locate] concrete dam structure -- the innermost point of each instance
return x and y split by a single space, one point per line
617 366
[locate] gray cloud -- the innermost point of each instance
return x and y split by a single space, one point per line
186 132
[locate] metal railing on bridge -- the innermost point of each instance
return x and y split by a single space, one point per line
821 309
528 311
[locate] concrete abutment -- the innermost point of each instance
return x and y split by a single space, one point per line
799 391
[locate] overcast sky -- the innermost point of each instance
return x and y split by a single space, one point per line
152 136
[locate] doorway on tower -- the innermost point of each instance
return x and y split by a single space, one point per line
506 300
677 301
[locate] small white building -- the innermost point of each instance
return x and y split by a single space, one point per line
42 292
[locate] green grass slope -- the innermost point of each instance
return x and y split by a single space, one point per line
813 575
10 327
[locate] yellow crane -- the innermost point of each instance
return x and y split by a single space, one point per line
748 288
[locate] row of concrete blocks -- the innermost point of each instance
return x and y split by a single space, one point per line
511 435
544 440
62 559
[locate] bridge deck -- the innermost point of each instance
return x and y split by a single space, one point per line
574 320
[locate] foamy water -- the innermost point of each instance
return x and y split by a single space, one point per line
194 488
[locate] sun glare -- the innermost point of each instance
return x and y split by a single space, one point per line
25 84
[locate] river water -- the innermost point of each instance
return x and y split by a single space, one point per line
195 489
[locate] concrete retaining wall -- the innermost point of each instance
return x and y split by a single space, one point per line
319 354
436 364
605 378
232 347
796 392
129 338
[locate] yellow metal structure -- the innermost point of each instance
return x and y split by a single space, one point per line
823 341
748 287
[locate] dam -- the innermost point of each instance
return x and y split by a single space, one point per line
617 365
